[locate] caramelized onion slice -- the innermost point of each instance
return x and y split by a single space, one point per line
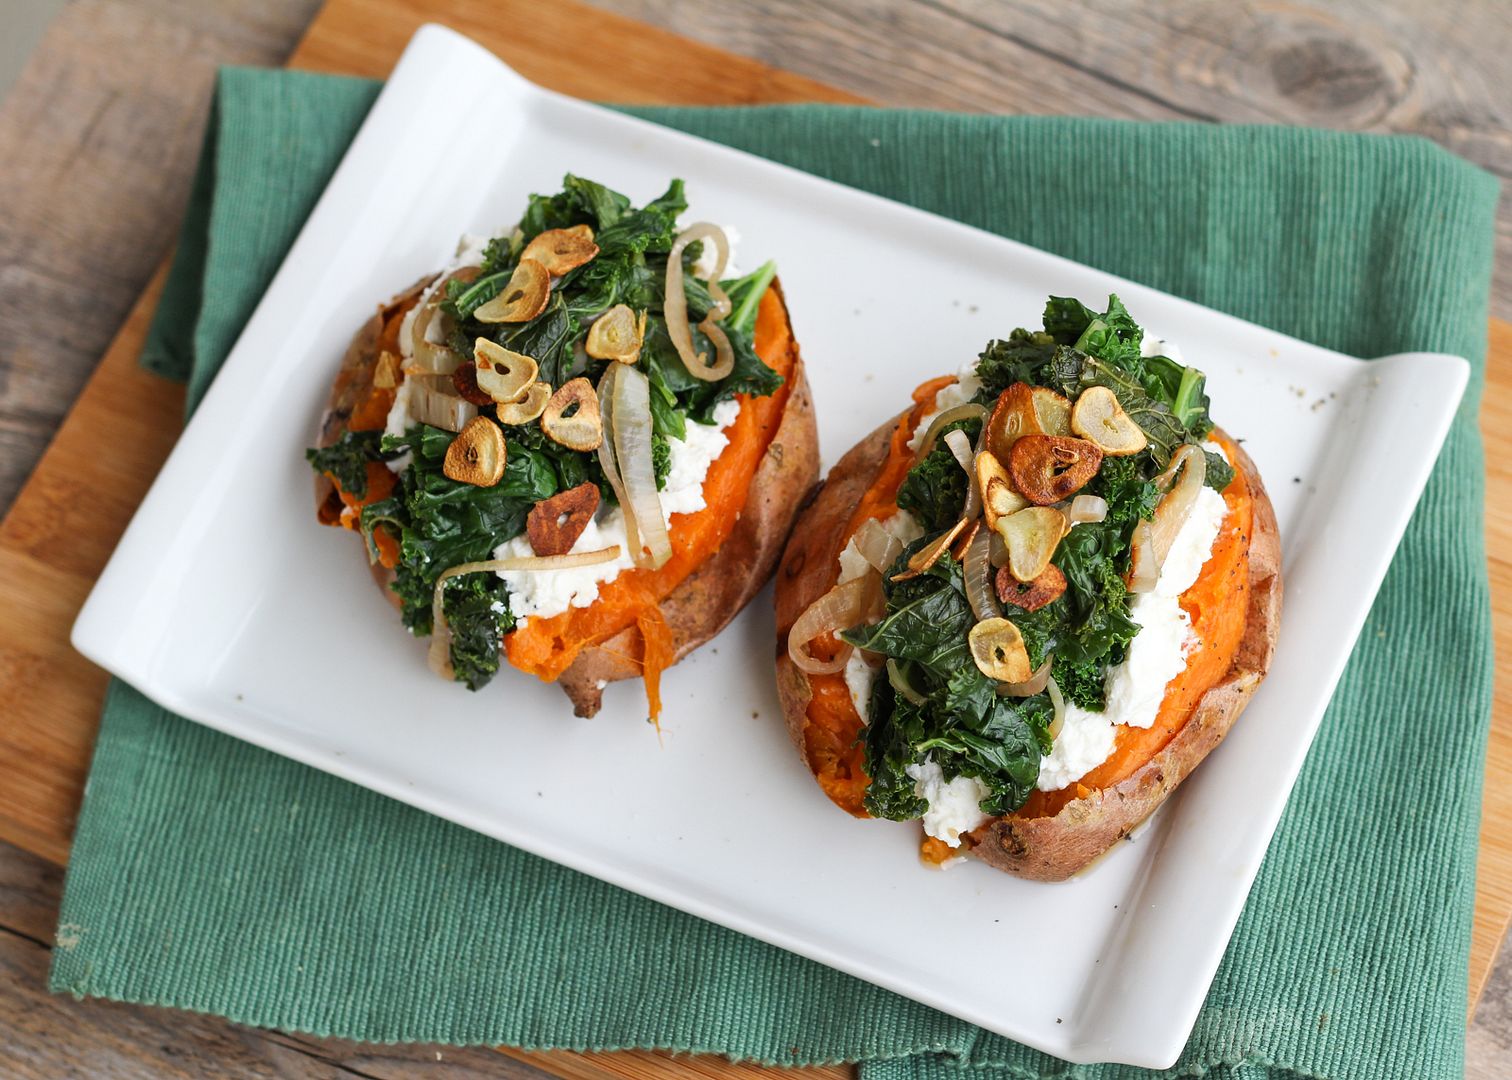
968 411
675 307
607 460
1033 685
844 606
1144 572
1153 539
637 468
876 545
1087 508
1058 703
426 357
440 646
961 447
436 407
979 577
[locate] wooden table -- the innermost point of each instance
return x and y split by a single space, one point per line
1321 69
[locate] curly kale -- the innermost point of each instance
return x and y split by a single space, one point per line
962 724
934 491
346 460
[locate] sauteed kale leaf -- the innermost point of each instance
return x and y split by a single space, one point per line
961 723
477 610
346 459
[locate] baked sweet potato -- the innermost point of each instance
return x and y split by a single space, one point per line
726 552
1053 835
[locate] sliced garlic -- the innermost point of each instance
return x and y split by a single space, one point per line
572 416
532 405
999 651
617 335
996 488
1032 535
502 375
921 560
1101 420
477 454
1051 468
561 250
522 299
1051 411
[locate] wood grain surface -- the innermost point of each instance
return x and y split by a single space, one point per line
123 132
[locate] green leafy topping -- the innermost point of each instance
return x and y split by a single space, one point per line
935 489
346 459
963 724
477 611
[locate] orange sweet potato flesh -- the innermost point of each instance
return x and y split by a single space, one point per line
547 647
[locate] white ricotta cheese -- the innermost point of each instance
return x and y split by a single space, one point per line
860 674
470 247
547 593
703 266
691 458
1136 688
398 415
397 423
954 808
1084 742
1154 346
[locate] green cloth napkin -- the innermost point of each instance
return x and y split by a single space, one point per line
213 876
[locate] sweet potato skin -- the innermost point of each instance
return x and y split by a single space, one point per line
708 598
1050 848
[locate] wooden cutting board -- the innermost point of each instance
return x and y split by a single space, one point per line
67 519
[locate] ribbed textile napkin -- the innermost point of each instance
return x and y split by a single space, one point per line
213 876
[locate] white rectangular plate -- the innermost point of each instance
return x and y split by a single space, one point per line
723 821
